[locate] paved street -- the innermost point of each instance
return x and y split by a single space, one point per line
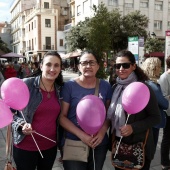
58 166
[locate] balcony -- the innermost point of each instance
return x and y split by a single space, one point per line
48 47
67 27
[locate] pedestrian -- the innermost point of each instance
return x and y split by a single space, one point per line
152 67
72 92
40 116
1 81
17 67
112 73
26 70
165 145
9 71
1 78
35 66
138 124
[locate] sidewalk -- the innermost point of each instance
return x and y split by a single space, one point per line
58 166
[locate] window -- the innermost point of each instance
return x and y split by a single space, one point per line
159 5
34 23
46 5
78 10
158 25
113 2
85 7
128 3
48 43
168 26
169 6
144 4
61 42
47 22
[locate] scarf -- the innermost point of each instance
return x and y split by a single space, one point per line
116 112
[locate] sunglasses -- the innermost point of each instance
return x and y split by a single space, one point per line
124 65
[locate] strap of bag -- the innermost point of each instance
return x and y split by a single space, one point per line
8 142
146 137
97 87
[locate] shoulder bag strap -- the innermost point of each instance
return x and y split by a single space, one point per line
97 87
8 142
146 137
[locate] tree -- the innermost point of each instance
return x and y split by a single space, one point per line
154 45
106 31
77 37
4 46
98 39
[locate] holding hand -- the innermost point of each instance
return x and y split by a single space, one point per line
27 129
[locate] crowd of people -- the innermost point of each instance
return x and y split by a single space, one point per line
20 70
51 110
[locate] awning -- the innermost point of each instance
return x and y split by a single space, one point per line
12 55
73 54
155 54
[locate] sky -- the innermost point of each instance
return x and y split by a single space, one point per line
4 10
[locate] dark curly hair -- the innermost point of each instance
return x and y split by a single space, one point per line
138 71
59 79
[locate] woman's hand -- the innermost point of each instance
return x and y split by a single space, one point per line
126 130
85 138
27 129
97 139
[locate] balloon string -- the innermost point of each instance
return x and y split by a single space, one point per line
121 138
37 145
39 134
94 160
33 137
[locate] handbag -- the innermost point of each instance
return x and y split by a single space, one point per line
8 165
129 156
75 150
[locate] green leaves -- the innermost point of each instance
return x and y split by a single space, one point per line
4 46
154 45
106 31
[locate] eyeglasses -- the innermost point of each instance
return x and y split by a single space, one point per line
124 65
91 63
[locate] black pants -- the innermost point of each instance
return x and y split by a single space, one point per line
30 160
165 145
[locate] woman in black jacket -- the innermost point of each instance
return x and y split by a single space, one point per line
137 125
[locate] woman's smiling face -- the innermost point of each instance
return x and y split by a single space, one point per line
124 67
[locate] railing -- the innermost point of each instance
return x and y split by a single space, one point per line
48 47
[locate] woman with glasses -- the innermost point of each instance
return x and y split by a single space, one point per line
137 124
72 92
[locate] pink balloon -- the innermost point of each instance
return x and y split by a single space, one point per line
6 115
135 97
15 93
91 114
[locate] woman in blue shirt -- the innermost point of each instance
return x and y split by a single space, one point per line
72 92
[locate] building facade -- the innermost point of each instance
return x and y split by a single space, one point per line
35 25
158 11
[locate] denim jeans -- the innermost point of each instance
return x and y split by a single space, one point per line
99 158
165 145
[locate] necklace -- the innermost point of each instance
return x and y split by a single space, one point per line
48 92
